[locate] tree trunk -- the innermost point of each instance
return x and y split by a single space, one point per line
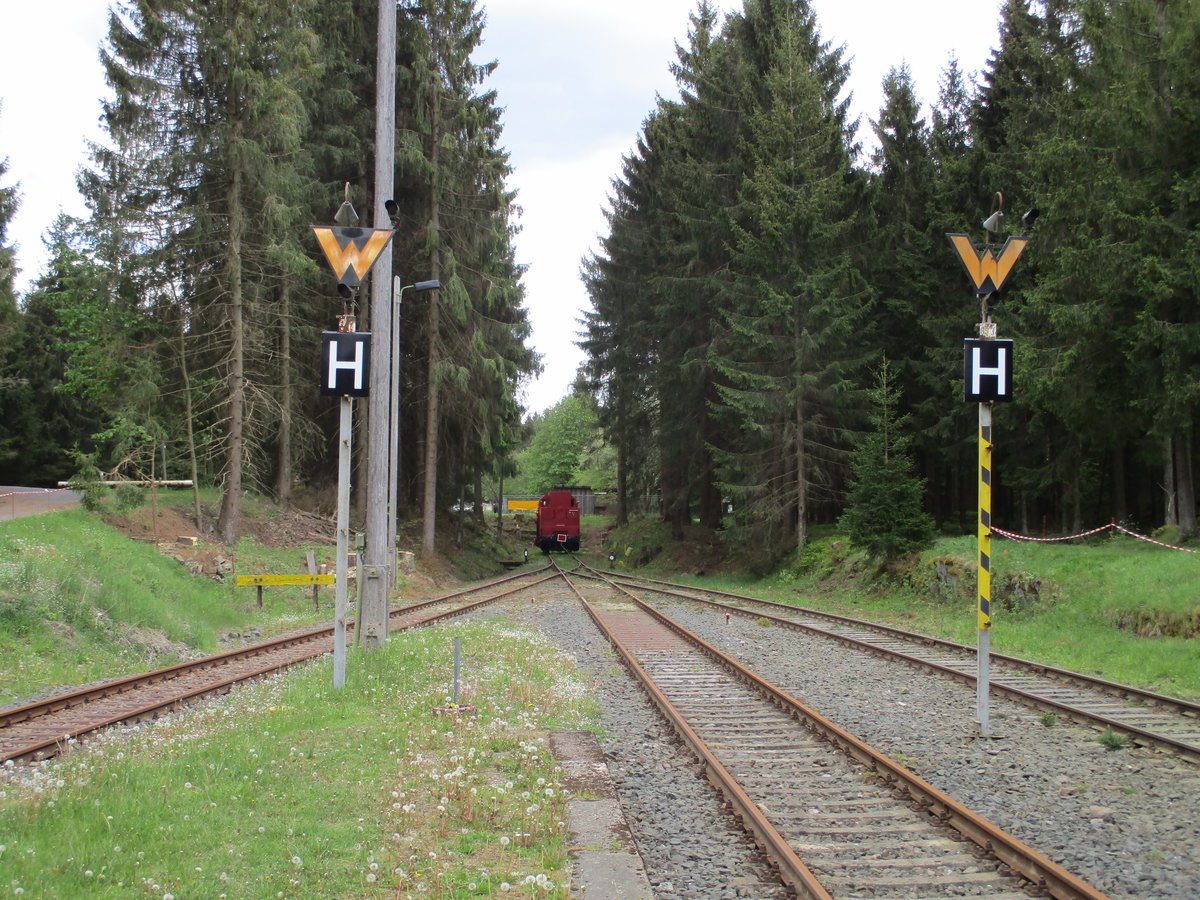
433 409
189 424
801 481
1120 500
462 516
710 493
1185 485
622 482
231 506
500 509
1171 513
283 476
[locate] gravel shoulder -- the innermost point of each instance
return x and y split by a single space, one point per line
1123 820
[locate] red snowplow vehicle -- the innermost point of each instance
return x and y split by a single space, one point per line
557 522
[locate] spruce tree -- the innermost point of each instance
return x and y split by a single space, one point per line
464 344
45 419
205 124
901 245
1140 205
10 199
944 437
619 346
796 296
884 514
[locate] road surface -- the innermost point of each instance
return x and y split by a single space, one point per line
27 501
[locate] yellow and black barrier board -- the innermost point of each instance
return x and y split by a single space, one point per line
522 505
278 580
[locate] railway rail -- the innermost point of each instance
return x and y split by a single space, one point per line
44 728
836 816
1146 718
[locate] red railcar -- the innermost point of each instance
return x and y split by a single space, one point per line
557 522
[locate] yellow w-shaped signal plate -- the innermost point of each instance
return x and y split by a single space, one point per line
351 251
986 270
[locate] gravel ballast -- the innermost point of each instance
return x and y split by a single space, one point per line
1123 820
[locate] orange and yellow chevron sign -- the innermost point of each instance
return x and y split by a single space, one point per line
987 271
351 251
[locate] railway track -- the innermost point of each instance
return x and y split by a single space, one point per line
1146 718
45 728
837 817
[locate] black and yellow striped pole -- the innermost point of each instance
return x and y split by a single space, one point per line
987 374
985 516
985 565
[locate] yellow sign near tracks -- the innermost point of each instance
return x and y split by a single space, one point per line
278 580
987 271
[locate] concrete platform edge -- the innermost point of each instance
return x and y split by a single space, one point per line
606 864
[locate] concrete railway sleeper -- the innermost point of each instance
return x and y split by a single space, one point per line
1148 719
836 817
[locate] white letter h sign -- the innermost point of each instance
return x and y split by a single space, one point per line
987 370
356 365
979 370
345 360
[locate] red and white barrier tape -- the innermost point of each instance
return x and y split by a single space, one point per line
1121 528
1142 537
1071 537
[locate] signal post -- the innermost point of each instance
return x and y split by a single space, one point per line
345 373
987 379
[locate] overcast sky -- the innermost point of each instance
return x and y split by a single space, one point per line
576 78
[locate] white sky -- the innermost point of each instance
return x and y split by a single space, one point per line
576 78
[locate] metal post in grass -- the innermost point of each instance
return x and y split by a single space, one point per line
343 541
987 378
984 612
457 666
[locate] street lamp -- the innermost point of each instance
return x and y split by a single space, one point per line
394 412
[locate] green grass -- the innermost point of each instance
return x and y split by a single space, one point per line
1114 607
1074 619
291 788
79 602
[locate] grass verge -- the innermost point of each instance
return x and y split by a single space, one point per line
1115 607
79 602
292 789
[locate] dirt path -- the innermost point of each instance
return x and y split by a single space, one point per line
26 501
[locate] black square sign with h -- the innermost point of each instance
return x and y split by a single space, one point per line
987 371
345 363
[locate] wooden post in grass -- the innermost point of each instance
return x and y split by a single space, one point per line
310 560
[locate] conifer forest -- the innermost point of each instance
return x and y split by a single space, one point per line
766 275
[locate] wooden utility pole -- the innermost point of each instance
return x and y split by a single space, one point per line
379 557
